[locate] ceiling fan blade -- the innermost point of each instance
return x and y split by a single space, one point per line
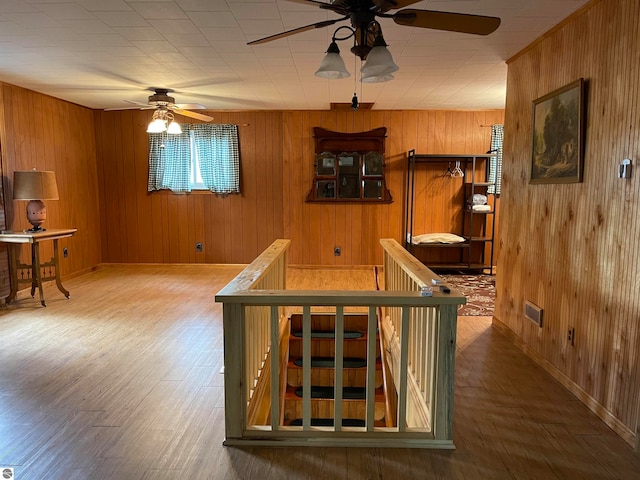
187 113
133 102
190 106
335 5
127 108
322 24
386 5
453 22
138 106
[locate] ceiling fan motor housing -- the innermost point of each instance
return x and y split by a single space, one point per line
160 97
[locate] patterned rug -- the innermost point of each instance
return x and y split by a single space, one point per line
480 291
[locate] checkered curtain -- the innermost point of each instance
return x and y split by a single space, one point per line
169 162
495 167
217 148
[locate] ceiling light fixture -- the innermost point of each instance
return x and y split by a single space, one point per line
162 121
367 42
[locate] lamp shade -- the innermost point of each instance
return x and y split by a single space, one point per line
35 185
174 128
376 78
332 65
157 126
379 63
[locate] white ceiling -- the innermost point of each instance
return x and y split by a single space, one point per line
98 53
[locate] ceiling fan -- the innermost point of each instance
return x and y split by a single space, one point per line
362 13
165 105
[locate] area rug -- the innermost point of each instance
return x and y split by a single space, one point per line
480 291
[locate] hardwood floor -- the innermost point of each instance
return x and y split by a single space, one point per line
123 381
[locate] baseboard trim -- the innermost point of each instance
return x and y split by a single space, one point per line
334 267
591 403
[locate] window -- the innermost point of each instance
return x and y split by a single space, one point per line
202 157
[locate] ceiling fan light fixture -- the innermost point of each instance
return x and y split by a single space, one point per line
379 61
174 128
377 78
157 126
332 65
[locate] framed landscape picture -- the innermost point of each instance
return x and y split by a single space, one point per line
558 126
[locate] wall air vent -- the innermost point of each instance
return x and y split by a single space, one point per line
533 313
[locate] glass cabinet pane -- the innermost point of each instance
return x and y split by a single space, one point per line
372 189
348 163
325 164
373 164
326 189
349 186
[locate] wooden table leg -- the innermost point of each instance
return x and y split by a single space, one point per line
34 273
13 272
57 268
35 264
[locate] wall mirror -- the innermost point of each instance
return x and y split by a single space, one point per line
349 167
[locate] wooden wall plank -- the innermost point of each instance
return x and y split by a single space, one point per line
571 248
49 134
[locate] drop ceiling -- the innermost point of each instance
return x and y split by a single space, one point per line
98 53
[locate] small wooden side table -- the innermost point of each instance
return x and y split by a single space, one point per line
14 239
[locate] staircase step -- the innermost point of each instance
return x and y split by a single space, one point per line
320 334
326 393
348 393
329 362
328 422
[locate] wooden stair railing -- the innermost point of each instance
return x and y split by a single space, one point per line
415 337
323 363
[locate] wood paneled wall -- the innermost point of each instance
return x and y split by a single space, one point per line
573 249
42 132
162 227
316 228
277 156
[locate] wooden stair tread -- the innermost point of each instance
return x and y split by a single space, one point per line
328 422
330 335
327 363
326 393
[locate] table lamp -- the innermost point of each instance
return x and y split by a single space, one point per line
35 186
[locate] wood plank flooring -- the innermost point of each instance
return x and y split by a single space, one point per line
122 381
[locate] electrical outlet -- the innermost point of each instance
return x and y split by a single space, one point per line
198 246
337 251
65 252
571 335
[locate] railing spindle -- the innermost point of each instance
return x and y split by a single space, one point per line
404 359
306 367
275 368
339 368
371 369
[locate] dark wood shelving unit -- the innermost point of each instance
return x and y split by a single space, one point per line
478 227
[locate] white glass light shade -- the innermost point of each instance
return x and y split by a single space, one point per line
379 63
174 128
377 78
332 67
157 126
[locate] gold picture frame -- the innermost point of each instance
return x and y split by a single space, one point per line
557 155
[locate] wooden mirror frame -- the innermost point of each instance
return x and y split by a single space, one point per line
341 145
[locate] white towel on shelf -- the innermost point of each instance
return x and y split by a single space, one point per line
481 208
